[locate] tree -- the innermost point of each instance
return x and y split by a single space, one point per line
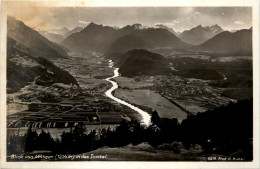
45 141
136 133
121 137
155 119
31 140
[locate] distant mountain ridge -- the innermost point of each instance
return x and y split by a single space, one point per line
74 30
123 44
99 38
166 27
60 31
238 43
200 34
93 38
57 38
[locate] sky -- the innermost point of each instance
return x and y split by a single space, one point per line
178 18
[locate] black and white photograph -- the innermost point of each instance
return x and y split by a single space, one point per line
129 83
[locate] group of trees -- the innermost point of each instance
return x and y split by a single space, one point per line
29 142
224 130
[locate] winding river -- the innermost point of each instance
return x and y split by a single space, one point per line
146 118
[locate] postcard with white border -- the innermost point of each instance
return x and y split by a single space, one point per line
129 84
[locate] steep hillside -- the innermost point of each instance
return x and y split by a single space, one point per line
141 62
33 40
23 66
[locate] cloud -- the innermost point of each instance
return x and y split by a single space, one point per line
169 24
239 22
84 22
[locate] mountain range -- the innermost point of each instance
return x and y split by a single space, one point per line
128 46
142 62
199 34
99 38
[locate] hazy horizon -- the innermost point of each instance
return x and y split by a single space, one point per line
177 18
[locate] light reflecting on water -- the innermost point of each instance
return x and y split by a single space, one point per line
146 118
